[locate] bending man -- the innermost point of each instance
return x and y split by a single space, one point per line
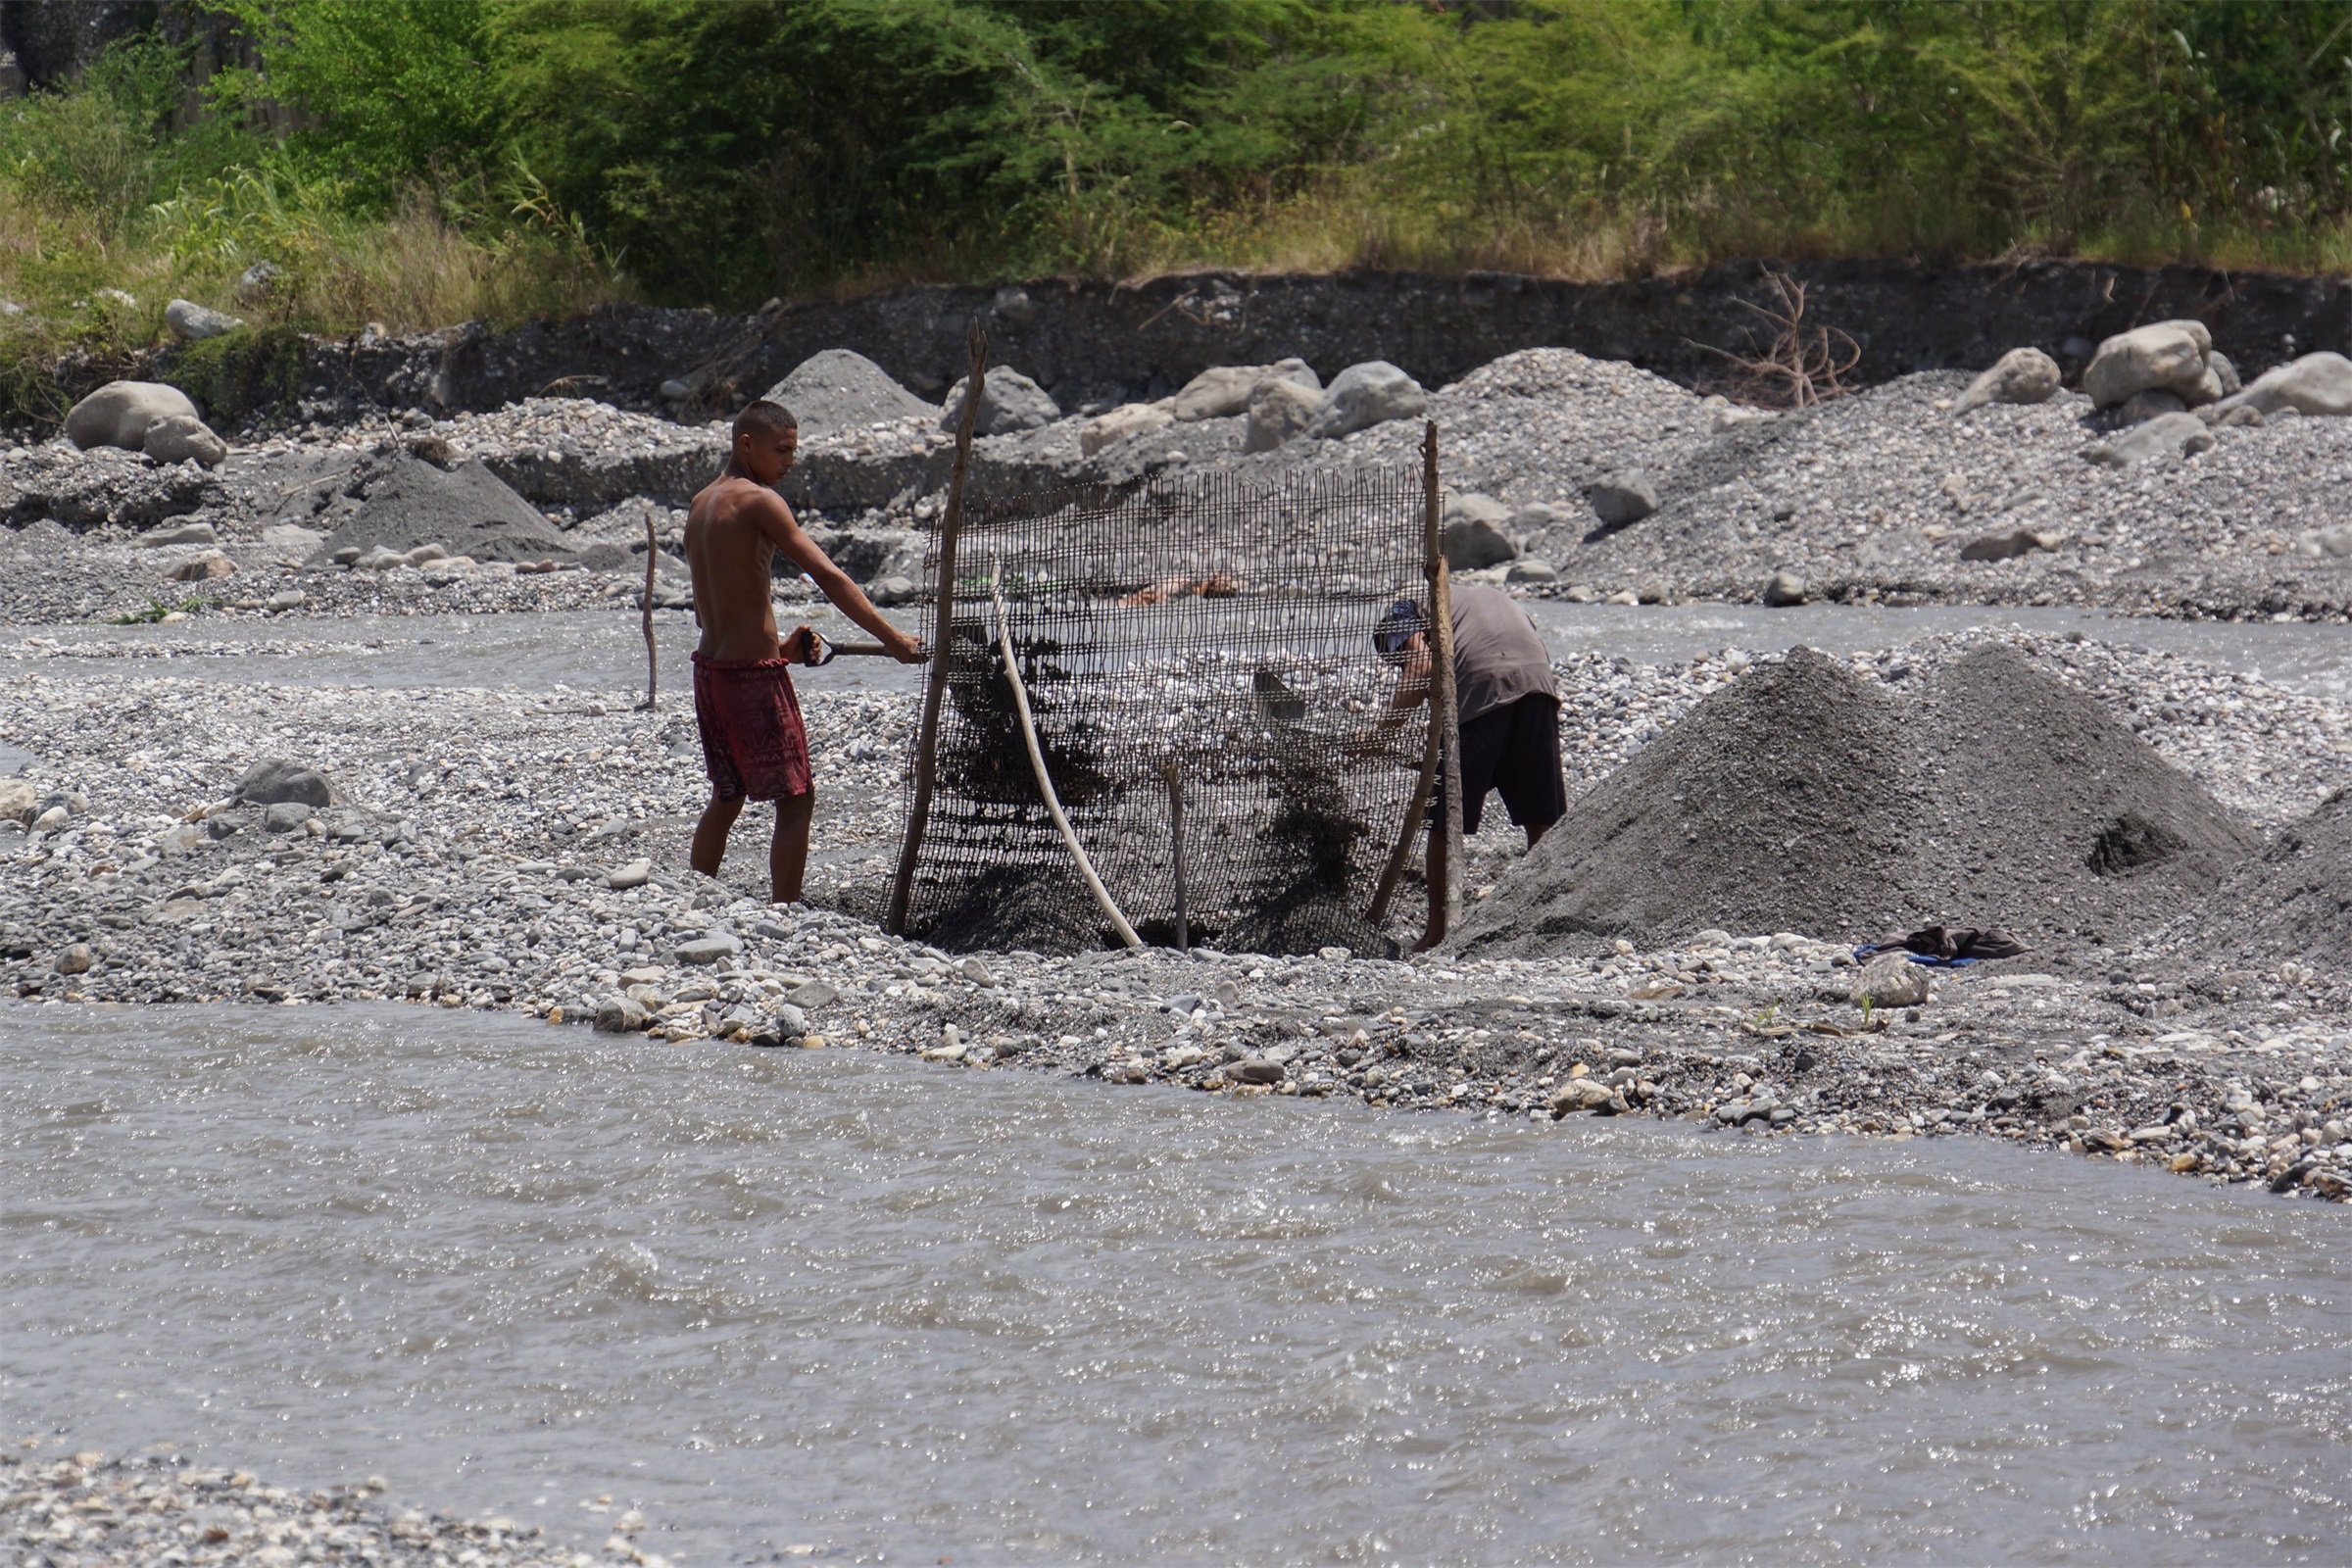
753 746
1508 709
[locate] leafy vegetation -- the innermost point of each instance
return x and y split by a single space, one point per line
417 161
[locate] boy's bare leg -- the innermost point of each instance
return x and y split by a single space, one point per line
711 833
788 854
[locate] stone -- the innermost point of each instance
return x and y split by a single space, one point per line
2141 407
287 599
634 874
286 816
2225 374
2168 435
974 970
1581 1095
52 820
276 782
192 322
1278 411
76 959
2166 354
1621 499
19 799
2021 375
2008 545
256 283
621 1016
1365 394
2314 384
836 391
184 438
293 542
892 590
1533 571
210 566
1122 424
813 993
1892 980
1013 302
2335 541
1257 1070
1785 589
1009 403
119 413
708 949
184 533
1223 391
1472 535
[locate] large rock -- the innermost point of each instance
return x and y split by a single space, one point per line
1890 980
838 390
2167 354
1473 535
1009 403
2168 435
1621 499
183 438
276 782
119 413
2316 383
210 566
1223 391
1121 424
2021 375
192 322
1279 409
185 533
1365 394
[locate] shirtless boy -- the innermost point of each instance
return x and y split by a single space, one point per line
752 745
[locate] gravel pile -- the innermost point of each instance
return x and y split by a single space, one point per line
526 852
1804 799
2291 905
91 1512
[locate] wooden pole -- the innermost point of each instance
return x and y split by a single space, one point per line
651 546
926 744
1442 706
1045 780
1175 778
1401 856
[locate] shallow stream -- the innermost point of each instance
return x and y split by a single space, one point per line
904 1312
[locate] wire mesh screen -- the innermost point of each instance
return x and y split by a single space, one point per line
1219 627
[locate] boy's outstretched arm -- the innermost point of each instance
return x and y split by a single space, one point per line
786 534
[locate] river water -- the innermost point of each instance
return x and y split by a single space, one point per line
605 650
910 1313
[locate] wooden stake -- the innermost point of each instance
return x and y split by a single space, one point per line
1045 780
1442 706
652 545
926 744
1175 778
1401 856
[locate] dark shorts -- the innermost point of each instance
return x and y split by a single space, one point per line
1514 749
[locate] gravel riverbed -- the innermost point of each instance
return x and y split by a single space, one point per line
525 850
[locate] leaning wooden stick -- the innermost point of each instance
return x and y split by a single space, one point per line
1045 780
926 742
1402 854
1175 778
1441 705
651 546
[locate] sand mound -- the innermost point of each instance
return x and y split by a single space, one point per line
469 510
2293 902
1802 798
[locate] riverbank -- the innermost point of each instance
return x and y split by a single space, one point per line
462 864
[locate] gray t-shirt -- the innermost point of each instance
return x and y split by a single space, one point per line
1498 655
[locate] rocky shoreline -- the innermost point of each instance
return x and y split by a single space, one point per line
89 1510
524 850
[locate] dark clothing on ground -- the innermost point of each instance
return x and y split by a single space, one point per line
752 742
1952 943
1498 655
1515 751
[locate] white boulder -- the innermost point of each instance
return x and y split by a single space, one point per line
2316 383
2168 435
1279 409
1123 423
119 413
1365 394
1223 391
2021 375
1009 402
179 437
192 322
2169 355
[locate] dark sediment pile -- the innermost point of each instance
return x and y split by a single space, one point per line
2292 902
466 509
1804 798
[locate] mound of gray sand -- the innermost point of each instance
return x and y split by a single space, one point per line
1804 798
836 390
403 502
2292 902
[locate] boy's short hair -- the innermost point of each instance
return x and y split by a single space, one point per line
763 417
